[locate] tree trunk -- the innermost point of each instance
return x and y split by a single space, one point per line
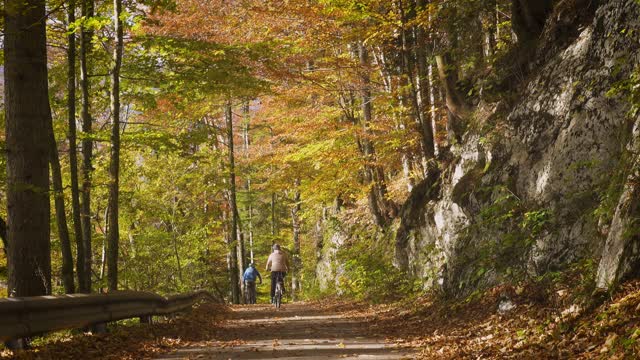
398 116
241 264
174 236
246 144
415 87
87 150
456 105
428 142
28 116
61 216
233 236
113 233
274 224
73 151
251 259
378 203
295 225
103 256
176 253
241 253
408 99
487 18
432 110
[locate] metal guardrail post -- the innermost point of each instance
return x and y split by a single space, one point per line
99 328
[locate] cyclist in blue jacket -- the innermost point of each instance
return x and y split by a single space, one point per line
250 276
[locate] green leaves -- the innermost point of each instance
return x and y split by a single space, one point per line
535 221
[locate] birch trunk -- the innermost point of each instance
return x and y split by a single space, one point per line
87 149
295 225
233 228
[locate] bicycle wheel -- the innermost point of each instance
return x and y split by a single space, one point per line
278 296
253 295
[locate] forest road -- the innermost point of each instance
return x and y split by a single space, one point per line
296 332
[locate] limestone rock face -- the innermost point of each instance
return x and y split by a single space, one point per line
328 269
621 255
557 150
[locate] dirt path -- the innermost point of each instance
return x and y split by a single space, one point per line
296 332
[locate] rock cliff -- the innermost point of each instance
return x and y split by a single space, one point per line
545 181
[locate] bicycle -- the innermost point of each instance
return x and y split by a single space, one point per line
277 298
250 292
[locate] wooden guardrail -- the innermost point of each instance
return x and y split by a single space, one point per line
29 316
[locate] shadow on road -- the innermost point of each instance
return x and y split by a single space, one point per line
296 332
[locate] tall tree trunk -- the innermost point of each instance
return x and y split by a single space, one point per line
61 215
87 149
28 116
487 18
103 256
233 236
246 144
241 252
295 225
174 233
245 148
426 127
113 233
408 101
379 205
455 102
398 116
457 108
413 85
176 253
251 259
73 151
241 263
274 223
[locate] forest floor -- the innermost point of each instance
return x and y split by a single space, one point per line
525 322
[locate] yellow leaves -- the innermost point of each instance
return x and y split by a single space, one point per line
218 53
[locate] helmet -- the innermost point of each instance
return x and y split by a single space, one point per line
252 265
276 247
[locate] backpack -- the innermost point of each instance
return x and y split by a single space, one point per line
250 274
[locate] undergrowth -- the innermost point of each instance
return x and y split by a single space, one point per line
368 273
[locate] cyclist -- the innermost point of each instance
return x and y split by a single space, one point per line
249 277
279 265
